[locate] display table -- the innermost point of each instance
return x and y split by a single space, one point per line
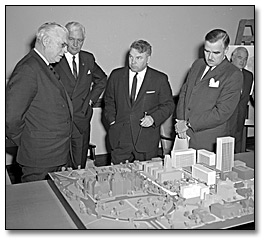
247 157
34 205
40 205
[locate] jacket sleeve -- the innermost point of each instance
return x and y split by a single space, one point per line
109 99
166 104
20 91
180 109
99 81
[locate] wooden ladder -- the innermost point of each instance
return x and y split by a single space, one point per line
245 39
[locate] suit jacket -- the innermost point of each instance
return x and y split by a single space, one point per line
208 104
38 114
154 98
90 84
242 106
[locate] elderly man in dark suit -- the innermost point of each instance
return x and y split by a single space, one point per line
138 99
210 95
84 81
38 109
239 58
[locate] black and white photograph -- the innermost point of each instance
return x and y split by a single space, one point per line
131 118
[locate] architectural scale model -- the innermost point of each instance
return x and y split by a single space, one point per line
159 194
206 157
225 153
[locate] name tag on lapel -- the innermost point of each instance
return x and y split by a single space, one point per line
150 92
89 72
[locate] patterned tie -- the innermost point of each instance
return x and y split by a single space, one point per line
75 74
54 72
133 89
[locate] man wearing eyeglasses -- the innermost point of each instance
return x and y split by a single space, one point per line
84 81
38 110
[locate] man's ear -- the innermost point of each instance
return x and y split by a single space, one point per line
148 59
226 50
46 40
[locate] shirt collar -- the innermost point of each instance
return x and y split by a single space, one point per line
141 73
67 54
41 56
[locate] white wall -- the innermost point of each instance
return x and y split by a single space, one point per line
175 32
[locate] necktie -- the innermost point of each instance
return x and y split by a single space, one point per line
75 74
207 72
133 89
54 72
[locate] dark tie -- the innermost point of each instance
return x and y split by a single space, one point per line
54 72
133 89
75 74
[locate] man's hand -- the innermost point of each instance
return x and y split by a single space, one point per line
147 121
181 128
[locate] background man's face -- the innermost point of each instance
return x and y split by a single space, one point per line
75 40
138 61
239 59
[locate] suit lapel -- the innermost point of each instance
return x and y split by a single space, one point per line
82 67
46 68
65 67
126 85
143 89
194 80
82 71
55 81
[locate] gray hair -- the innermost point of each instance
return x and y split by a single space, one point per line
78 25
142 46
49 28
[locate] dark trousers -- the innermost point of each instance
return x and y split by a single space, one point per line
34 174
79 145
125 150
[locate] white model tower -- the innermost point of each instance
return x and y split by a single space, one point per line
206 157
225 153
183 158
204 174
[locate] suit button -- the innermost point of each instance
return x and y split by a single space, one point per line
188 108
63 106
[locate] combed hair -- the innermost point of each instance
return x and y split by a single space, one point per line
49 28
142 46
71 24
218 34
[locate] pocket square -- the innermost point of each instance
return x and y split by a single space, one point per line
150 92
213 83
89 72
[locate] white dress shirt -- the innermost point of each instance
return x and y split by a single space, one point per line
140 78
69 58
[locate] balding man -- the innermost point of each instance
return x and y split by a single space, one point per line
38 109
239 58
